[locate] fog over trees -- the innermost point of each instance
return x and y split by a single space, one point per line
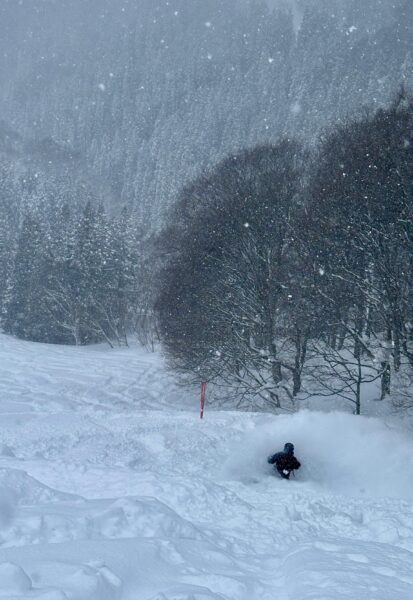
232 178
145 94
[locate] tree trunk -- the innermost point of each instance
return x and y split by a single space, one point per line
396 348
385 367
385 380
300 355
358 386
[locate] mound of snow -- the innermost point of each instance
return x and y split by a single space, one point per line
343 570
196 593
13 580
93 583
28 491
81 582
341 453
7 507
6 451
143 517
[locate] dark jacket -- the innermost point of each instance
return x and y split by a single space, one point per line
285 461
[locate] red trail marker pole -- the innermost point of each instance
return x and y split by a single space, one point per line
203 396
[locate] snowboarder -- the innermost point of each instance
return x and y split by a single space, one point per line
285 462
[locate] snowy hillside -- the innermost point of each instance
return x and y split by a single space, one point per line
138 98
112 488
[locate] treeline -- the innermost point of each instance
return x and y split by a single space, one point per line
69 272
283 271
289 272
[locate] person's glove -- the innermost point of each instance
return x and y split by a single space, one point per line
286 472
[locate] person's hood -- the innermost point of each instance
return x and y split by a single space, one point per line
289 448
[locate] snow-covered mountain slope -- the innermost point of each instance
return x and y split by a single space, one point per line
112 488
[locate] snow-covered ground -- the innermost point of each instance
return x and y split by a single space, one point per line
112 488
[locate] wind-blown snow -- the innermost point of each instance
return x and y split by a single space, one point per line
112 488
342 454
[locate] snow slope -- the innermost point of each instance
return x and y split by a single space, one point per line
112 488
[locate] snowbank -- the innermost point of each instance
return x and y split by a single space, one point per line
84 582
7 506
142 517
26 490
339 452
13 580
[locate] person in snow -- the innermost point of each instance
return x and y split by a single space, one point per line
285 462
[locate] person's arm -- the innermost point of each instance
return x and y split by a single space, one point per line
273 459
297 463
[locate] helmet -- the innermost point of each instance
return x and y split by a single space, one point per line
289 448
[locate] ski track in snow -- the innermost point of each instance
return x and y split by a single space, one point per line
112 488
